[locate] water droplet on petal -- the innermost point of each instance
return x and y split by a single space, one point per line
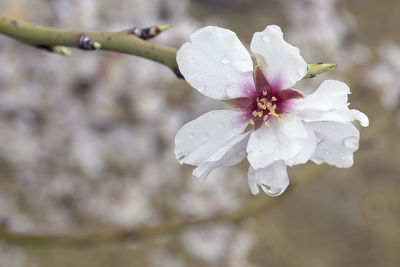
266 38
242 153
318 160
205 136
271 190
191 135
221 126
224 60
351 142
233 91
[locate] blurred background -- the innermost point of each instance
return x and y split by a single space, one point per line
86 143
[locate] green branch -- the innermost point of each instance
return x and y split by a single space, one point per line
124 42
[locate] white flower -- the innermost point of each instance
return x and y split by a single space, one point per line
289 128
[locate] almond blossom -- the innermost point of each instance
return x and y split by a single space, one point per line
274 125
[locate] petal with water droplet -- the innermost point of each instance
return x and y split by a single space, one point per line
213 59
338 145
273 179
199 139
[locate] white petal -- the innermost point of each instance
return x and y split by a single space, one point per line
216 63
231 154
197 140
284 65
307 151
279 141
329 103
336 143
273 179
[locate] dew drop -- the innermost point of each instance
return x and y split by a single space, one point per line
224 60
318 160
271 190
351 142
221 126
266 38
205 136
241 153
191 135
233 91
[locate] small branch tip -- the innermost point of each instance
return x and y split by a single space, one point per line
150 32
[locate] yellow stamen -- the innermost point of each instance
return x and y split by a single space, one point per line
251 122
273 98
238 109
267 123
265 117
260 113
254 113
272 111
248 91
259 105
264 92
244 118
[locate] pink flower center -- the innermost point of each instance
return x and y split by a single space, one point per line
264 102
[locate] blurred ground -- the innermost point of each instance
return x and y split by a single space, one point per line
87 142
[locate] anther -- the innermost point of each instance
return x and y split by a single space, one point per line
254 113
248 91
265 93
267 123
251 122
273 98
238 109
265 117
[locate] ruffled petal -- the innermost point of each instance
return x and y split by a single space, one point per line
279 141
273 179
328 103
231 154
199 139
336 143
284 65
216 63
307 151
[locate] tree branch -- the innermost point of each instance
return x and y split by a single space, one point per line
124 42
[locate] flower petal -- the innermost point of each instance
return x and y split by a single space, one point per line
231 154
307 151
279 141
336 143
329 103
197 140
273 179
284 65
216 63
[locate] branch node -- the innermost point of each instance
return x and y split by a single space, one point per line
85 43
150 32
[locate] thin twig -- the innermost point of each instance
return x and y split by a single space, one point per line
123 42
